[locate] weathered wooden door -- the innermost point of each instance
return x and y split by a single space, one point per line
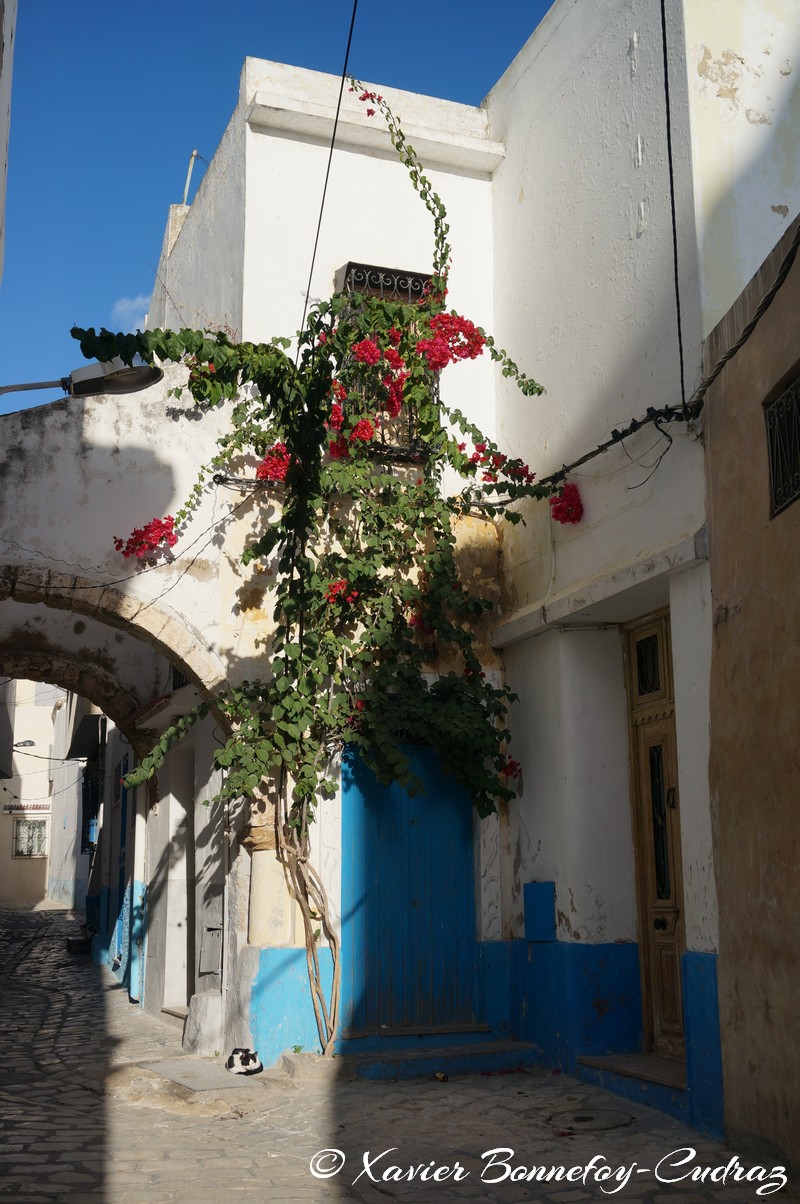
657 835
408 907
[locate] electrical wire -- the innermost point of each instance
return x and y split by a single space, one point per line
22 752
670 165
694 406
696 400
47 798
328 168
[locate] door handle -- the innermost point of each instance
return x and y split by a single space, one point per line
671 798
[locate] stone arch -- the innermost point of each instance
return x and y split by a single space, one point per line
90 681
170 634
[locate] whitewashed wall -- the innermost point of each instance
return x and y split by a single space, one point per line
743 65
584 293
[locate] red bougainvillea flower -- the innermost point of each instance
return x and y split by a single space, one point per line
394 402
418 620
363 431
337 417
511 769
566 506
338 449
335 591
367 351
393 358
275 465
157 535
453 338
394 335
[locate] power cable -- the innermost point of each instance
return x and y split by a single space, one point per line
695 404
672 201
696 400
328 169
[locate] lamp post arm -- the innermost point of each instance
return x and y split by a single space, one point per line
61 383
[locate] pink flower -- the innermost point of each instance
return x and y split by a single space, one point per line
337 417
454 338
363 431
367 351
275 465
511 769
156 536
566 506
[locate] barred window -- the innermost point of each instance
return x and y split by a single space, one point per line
390 284
30 837
783 445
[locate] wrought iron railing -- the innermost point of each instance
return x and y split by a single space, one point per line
396 439
390 284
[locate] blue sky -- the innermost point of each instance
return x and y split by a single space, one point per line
109 99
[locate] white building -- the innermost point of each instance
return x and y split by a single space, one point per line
595 215
572 213
33 793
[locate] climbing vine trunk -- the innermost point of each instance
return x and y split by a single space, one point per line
307 888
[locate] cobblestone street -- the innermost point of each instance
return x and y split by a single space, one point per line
83 1118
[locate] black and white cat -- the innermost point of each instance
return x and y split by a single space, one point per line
244 1061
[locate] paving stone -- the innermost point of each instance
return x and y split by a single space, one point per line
68 1132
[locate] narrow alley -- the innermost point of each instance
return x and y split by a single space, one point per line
92 1108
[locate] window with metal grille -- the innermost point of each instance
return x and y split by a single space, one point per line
30 837
783 447
391 284
396 439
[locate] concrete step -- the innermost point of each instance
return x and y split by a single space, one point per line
175 1015
428 1062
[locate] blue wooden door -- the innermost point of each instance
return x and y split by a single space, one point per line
408 906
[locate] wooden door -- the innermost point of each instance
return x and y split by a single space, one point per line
657 835
408 905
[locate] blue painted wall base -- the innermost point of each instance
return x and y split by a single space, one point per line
137 943
566 1000
580 1000
281 1013
703 1043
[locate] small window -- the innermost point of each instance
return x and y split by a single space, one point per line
177 679
390 284
30 837
648 671
783 447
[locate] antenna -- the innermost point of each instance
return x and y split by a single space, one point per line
192 158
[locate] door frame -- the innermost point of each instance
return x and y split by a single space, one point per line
662 938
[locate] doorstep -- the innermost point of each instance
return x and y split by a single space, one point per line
648 1067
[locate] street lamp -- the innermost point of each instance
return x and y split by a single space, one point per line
113 377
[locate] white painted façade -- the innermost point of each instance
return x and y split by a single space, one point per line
596 907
